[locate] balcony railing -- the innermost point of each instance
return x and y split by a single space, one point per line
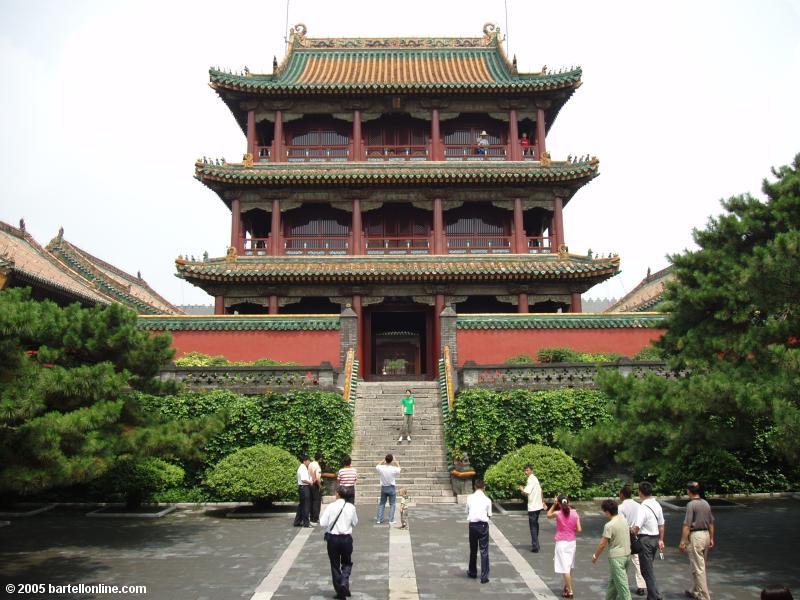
539 245
472 152
255 246
478 244
398 153
263 153
318 153
397 245
317 246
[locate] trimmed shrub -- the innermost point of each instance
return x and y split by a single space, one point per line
138 480
487 424
260 474
557 472
649 353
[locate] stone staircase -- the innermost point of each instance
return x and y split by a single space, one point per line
378 420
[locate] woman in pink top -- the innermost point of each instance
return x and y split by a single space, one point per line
568 523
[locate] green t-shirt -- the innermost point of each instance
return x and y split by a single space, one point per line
408 403
617 532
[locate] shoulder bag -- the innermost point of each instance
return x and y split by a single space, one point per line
327 535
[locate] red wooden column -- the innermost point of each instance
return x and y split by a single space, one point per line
219 305
358 244
522 303
520 240
275 229
540 133
360 327
236 225
277 140
558 223
438 227
575 303
513 136
357 149
251 133
273 304
437 152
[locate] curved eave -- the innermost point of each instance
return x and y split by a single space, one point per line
381 270
265 85
439 173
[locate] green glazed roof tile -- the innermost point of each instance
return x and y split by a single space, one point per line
638 320
239 323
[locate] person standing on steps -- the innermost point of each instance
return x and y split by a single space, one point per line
315 472
346 478
533 490
338 520
301 519
479 509
408 403
388 470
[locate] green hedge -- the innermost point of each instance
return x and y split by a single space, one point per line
487 424
297 421
568 355
198 359
557 472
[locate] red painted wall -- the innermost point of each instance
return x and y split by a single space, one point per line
493 346
302 347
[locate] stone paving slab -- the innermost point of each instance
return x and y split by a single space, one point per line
191 555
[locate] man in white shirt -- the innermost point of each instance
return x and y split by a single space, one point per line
338 520
301 519
533 491
388 470
479 511
629 510
650 527
315 475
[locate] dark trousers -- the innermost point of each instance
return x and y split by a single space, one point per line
478 536
303 506
316 502
533 523
340 552
646 558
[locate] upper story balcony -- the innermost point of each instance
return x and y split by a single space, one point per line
397 138
396 229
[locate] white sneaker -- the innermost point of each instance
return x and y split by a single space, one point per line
400 439
408 438
392 522
313 524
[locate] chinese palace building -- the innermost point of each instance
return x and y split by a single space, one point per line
399 179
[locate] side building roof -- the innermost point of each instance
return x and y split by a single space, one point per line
133 292
646 295
24 262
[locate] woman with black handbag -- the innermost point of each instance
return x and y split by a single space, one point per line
338 520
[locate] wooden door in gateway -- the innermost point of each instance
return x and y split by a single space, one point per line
397 342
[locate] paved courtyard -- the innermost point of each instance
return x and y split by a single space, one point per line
199 555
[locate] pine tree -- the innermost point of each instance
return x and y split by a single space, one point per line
734 324
68 407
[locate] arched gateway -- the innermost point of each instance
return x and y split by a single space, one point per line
388 176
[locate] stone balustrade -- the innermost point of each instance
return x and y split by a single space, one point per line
253 380
546 376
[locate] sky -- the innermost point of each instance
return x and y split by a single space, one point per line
105 106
